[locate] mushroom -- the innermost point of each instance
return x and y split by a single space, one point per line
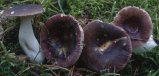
137 23
61 39
107 47
27 40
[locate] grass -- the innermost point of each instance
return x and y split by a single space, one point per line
146 64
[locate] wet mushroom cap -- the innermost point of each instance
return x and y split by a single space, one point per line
61 39
107 47
136 22
23 10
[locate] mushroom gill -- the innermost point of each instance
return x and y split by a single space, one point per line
136 22
107 47
61 39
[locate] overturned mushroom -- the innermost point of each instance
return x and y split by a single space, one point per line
137 23
27 39
62 40
107 47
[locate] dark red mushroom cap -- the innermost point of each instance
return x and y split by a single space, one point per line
23 10
107 47
136 22
61 39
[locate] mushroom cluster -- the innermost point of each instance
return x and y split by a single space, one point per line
108 47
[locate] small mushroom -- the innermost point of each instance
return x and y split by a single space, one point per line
137 23
27 40
107 47
61 39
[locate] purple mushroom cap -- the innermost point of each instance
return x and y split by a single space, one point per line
23 10
136 22
61 39
107 47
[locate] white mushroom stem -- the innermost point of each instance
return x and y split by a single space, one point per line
28 41
148 46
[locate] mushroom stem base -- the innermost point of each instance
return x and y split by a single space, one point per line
148 46
28 42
